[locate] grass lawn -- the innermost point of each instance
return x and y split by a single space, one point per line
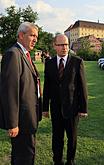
90 147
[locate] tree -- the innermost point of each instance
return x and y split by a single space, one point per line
102 50
9 24
29 15
84 48
45 41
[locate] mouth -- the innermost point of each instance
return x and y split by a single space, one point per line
33 44
64 51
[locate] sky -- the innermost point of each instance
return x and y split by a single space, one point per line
57 15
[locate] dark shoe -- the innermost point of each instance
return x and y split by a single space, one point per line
59 163
70 163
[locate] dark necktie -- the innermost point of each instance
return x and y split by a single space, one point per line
61 68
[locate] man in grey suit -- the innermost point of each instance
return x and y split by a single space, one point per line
21 99
65 91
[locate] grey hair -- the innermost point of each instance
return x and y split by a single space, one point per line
25 26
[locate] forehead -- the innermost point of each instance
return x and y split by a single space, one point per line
62 39
33 31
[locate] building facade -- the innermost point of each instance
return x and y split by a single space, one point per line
90 41
85 28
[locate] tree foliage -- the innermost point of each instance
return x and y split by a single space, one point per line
10 22
29 15
86 52
45 42
102 50
8 27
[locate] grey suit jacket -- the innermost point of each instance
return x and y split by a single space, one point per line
68 96
19 95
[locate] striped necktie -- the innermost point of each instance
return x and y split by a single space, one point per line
61 68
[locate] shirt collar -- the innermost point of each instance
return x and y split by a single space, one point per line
64 59
22 47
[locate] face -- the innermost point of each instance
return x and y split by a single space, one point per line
28 39
61 45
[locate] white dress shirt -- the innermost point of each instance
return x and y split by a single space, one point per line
64 60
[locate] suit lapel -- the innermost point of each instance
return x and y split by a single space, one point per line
67 67
55 68
32 68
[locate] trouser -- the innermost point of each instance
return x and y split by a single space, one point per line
59 126
23 149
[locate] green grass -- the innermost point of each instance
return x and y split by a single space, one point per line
90 147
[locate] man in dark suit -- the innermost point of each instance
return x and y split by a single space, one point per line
65 91
21 100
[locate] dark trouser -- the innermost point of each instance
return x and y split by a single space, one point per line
59 126
23 149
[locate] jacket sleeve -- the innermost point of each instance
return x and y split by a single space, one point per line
82 87
10 88
46 89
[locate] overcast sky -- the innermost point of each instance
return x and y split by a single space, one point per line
58 15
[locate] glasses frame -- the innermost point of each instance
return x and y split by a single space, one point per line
61 44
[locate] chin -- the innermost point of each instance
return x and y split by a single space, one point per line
31 48
64 54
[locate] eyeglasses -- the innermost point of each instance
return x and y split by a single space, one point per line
62 44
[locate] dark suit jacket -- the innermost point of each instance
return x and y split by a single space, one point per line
68 95
19 101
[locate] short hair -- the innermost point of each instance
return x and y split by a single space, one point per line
25 26
57 35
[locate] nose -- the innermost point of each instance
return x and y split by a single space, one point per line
64 46
35 39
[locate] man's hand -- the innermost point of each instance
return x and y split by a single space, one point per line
82 114
45 114
13 132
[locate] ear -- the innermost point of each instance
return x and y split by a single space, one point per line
54 46
21 34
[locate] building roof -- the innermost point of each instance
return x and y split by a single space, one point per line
87 24
68 29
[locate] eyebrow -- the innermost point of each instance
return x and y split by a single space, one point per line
61 44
